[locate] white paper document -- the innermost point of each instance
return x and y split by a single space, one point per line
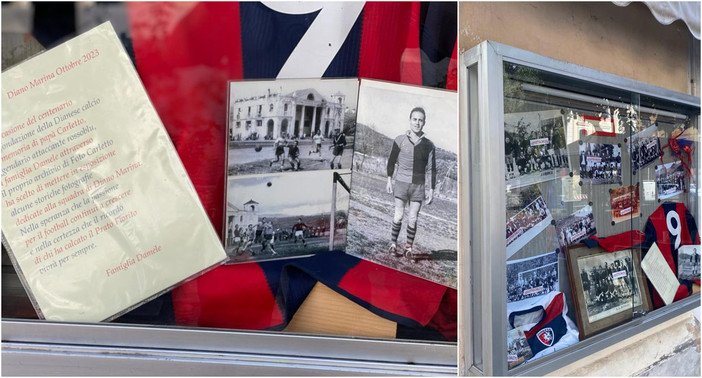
98 212
659 273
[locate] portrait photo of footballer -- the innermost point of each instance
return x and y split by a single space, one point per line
689 262
403 202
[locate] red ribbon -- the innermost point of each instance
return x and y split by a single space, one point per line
675 147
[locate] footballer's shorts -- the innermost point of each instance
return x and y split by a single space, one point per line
298 233
409 192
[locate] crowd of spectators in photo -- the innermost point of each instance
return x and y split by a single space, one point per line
524 276
600 163
527 218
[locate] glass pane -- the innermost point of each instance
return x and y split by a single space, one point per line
184 54
584 163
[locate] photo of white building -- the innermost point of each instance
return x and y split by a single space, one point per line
298 114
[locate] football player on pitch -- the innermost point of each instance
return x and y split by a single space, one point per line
412 158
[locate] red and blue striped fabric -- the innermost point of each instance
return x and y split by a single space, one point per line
670 227
186 52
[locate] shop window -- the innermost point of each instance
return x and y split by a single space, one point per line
564 161
234 320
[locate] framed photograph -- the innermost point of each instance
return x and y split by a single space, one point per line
290 125
535 147
532 277
625 203
607 287
527 215
282 215
404 188
689 262
600 163
576 227
644 148
670 179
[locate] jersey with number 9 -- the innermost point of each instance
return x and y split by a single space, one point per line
670 227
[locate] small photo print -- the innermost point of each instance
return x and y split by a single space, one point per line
282 215
609 284
689 262
535 147
290 125
670 179
527 216
518 350
404 189
644 148
532 277
625 203
600 163
576 227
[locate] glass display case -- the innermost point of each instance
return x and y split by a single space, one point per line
577 178
328 313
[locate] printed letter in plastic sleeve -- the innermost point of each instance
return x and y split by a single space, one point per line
98 212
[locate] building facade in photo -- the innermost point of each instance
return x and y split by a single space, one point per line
297 114
244 216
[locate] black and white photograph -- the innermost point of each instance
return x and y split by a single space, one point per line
282 215
291 125
609 284
644 148
527 215
606 287
532 277
518 350
404 192
576 227
600 163
535 148
670 179
689 262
